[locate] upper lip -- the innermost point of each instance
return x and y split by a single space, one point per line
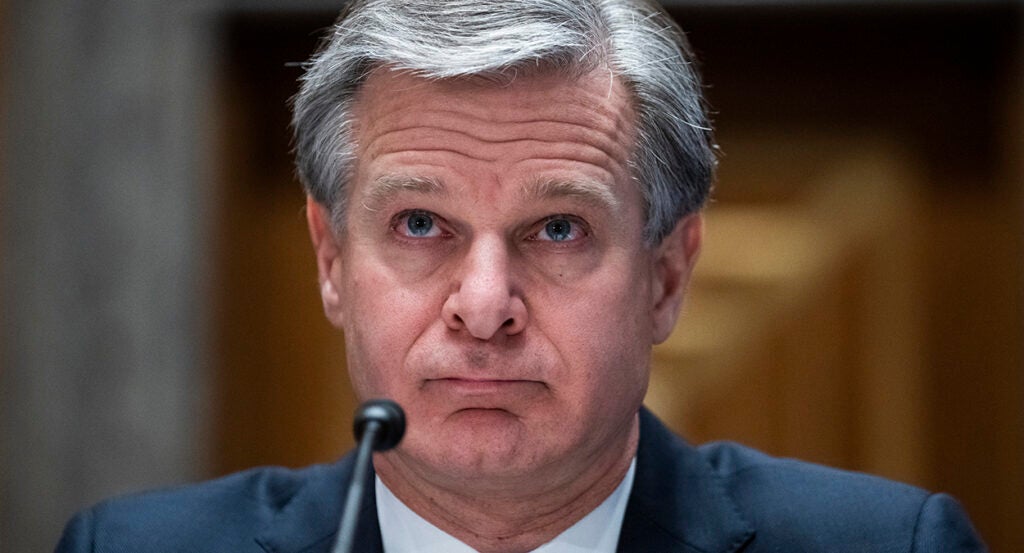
478 381
481 379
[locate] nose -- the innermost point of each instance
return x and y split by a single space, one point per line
484 300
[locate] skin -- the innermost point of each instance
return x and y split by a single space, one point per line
492 278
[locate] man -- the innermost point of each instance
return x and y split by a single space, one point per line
504 202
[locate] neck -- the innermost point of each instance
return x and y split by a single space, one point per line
513 516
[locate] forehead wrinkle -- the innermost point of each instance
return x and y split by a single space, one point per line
602 135
446 137
382 189
589 191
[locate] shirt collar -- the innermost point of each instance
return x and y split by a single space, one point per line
404 531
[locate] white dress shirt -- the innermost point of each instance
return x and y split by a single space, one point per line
404 531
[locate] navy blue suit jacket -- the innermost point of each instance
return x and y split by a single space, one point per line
718 498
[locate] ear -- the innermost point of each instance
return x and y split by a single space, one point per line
673 265
328 259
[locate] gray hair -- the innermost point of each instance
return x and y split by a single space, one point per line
673 159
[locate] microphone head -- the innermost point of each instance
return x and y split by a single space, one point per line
390 418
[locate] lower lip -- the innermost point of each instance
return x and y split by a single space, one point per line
472 387
485 398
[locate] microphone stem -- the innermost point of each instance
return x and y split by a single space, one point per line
347 531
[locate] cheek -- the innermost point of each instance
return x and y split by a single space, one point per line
555 265
385 320
613 306
605 331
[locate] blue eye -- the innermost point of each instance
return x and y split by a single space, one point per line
558 230
561 228
419 224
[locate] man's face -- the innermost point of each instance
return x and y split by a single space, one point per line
492 277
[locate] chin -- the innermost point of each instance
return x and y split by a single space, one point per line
472 445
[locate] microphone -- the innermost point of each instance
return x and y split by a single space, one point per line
379 425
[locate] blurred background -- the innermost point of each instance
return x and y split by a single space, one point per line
858 302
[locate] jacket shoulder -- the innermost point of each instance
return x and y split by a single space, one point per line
795 502
222 514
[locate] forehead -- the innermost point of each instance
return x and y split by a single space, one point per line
534 129
598 93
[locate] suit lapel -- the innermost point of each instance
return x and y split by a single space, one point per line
307 519
678 503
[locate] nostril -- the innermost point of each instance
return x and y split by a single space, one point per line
509 322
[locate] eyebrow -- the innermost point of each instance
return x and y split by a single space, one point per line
383 189
592 192
588 191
